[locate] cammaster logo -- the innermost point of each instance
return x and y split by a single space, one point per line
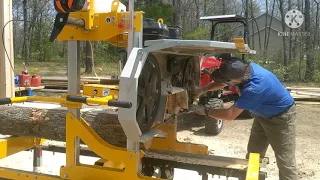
294 19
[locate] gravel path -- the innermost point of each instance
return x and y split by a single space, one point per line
233 139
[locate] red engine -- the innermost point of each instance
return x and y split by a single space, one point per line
211 64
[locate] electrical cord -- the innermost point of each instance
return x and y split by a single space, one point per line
5 49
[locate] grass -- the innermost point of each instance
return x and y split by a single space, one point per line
58 67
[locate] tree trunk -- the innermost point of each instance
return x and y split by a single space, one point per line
266 29
258 29
246 12
225 37
205 5
290 39
252 27
316 35
51 124
301 47
88 60
224 10
269 28
177 13
285 55
197 13
26 47
42 43
309 51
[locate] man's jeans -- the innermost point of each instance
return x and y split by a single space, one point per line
280 133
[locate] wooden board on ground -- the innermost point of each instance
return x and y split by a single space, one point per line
301 96
311 89
62 82
311 94
17 89
307 103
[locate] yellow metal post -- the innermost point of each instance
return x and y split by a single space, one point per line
91 14
170 143
253 167
79 128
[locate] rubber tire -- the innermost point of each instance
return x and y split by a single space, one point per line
165 172
214 126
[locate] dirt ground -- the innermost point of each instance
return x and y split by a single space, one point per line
231 142
233 139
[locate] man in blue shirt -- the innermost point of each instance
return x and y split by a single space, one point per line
271 105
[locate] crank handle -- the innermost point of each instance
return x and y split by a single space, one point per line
4 101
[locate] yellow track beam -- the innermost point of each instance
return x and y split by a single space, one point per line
14 145
24 175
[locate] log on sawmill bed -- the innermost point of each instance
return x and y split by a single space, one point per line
49 123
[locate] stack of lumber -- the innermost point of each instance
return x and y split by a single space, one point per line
305 95
18 89
62 82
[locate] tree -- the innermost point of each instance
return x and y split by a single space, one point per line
266 31
290 38
197 22
268 27
177 13
205 3
255 22
309 51
26 46
284 44
301 47
316 33
88 60
246 12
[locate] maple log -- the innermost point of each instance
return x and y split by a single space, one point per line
50 123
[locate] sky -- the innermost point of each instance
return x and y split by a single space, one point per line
262 5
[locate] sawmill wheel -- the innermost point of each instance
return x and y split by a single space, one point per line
189 78
149 92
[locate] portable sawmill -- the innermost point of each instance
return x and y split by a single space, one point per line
153 89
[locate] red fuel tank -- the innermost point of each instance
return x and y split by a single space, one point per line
35 81
24 79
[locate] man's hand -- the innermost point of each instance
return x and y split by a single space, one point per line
196 92
201 110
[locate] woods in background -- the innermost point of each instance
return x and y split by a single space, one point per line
292 54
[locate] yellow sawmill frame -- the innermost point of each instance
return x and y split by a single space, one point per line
74 128
115 159
97 24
